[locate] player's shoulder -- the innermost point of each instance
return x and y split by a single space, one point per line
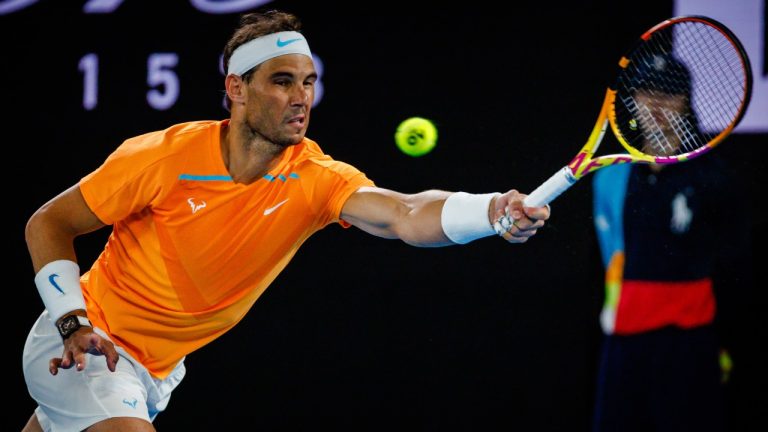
310 152
176 132
171 139
310 147
313 157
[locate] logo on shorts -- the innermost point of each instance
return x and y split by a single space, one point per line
131 403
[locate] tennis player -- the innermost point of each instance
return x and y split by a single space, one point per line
204 217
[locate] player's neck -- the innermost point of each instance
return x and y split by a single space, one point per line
248 158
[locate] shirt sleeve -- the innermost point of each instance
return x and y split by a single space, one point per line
128 181
334 183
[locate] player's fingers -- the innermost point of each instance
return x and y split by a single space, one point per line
511 233
80 360
101 346
523 228
108 349
79 346
527 224
538 213
515 211
515 237
503 224
66 359
53 365
510 229
112 360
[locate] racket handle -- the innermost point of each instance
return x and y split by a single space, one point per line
543 195
550 189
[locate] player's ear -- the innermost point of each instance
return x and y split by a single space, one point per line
235 86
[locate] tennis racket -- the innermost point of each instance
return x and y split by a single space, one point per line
680 90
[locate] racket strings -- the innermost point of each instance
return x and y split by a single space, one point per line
674 133
722 89
682 88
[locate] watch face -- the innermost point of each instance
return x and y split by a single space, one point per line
68 325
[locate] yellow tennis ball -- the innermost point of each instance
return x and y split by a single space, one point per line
416 136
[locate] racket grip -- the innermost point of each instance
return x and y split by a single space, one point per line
550 189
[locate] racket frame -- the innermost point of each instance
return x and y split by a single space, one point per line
585 163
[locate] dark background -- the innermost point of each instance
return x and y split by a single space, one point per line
359 332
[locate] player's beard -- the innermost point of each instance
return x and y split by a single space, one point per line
274 136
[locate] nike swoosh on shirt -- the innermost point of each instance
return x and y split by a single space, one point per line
274 207
281 44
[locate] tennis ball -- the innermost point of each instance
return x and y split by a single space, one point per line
416 136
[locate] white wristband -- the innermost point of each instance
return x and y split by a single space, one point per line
58 283
465 217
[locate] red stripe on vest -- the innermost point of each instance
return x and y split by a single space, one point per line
648 305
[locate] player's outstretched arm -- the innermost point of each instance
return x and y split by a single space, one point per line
439 218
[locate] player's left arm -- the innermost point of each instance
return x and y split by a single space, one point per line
418 219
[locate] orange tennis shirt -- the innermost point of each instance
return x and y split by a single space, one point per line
191 251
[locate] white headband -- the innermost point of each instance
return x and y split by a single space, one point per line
261 49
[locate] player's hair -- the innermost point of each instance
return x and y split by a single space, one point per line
254 25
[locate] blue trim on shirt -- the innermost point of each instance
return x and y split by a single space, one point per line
204 177
228 178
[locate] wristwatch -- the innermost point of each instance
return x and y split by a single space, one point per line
70 324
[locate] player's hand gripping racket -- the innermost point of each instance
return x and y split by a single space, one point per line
680 91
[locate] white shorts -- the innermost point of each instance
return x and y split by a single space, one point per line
73 401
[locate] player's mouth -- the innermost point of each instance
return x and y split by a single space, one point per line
297 121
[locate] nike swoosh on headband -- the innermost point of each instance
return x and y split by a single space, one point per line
281 44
